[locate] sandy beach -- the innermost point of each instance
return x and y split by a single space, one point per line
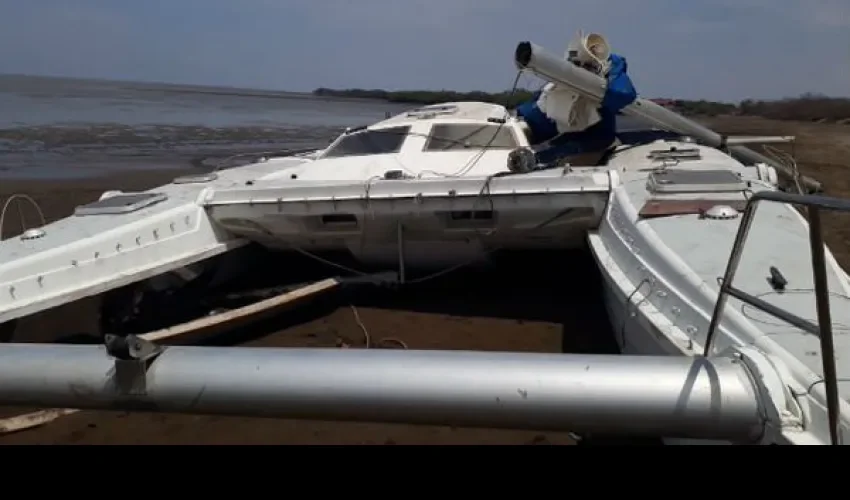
535 305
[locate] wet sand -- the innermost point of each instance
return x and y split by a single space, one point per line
537 305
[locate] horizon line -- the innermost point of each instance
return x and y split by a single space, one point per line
270 92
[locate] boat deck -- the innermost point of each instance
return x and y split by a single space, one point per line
66 231
90 253
778 239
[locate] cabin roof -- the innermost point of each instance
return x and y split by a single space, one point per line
453 111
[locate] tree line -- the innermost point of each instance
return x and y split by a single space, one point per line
807 107
425 97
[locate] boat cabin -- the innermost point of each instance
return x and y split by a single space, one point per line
452 139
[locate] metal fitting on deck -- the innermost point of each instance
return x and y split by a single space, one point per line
133 355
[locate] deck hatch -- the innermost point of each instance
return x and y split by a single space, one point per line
674 154
671 180
195 179
120 204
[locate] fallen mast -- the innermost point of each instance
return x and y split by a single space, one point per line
641 395
555 69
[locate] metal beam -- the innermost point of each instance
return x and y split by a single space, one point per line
636 395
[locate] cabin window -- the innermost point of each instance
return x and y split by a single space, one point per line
459 136
369 142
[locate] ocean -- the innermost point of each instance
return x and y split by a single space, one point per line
55 128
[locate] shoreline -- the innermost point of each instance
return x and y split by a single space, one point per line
805 108
123 177
82 175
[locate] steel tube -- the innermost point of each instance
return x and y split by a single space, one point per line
555 69
827 343
637 395
729 274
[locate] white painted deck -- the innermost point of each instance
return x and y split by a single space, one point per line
63 232
675 263
85 255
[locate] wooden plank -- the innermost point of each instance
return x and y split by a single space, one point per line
661 208
32 420
243 315
205 326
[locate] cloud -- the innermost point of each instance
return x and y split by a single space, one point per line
718 49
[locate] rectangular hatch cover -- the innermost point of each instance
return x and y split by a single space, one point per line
120 204
673 180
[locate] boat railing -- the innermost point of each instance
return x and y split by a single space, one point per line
823 329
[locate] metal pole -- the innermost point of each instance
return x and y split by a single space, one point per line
827 346
636 395
729 275
555 69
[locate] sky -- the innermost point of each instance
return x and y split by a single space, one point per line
713 49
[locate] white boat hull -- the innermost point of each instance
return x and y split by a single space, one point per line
634 332
661 258
424 222
112 243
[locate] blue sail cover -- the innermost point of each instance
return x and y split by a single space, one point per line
619 93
